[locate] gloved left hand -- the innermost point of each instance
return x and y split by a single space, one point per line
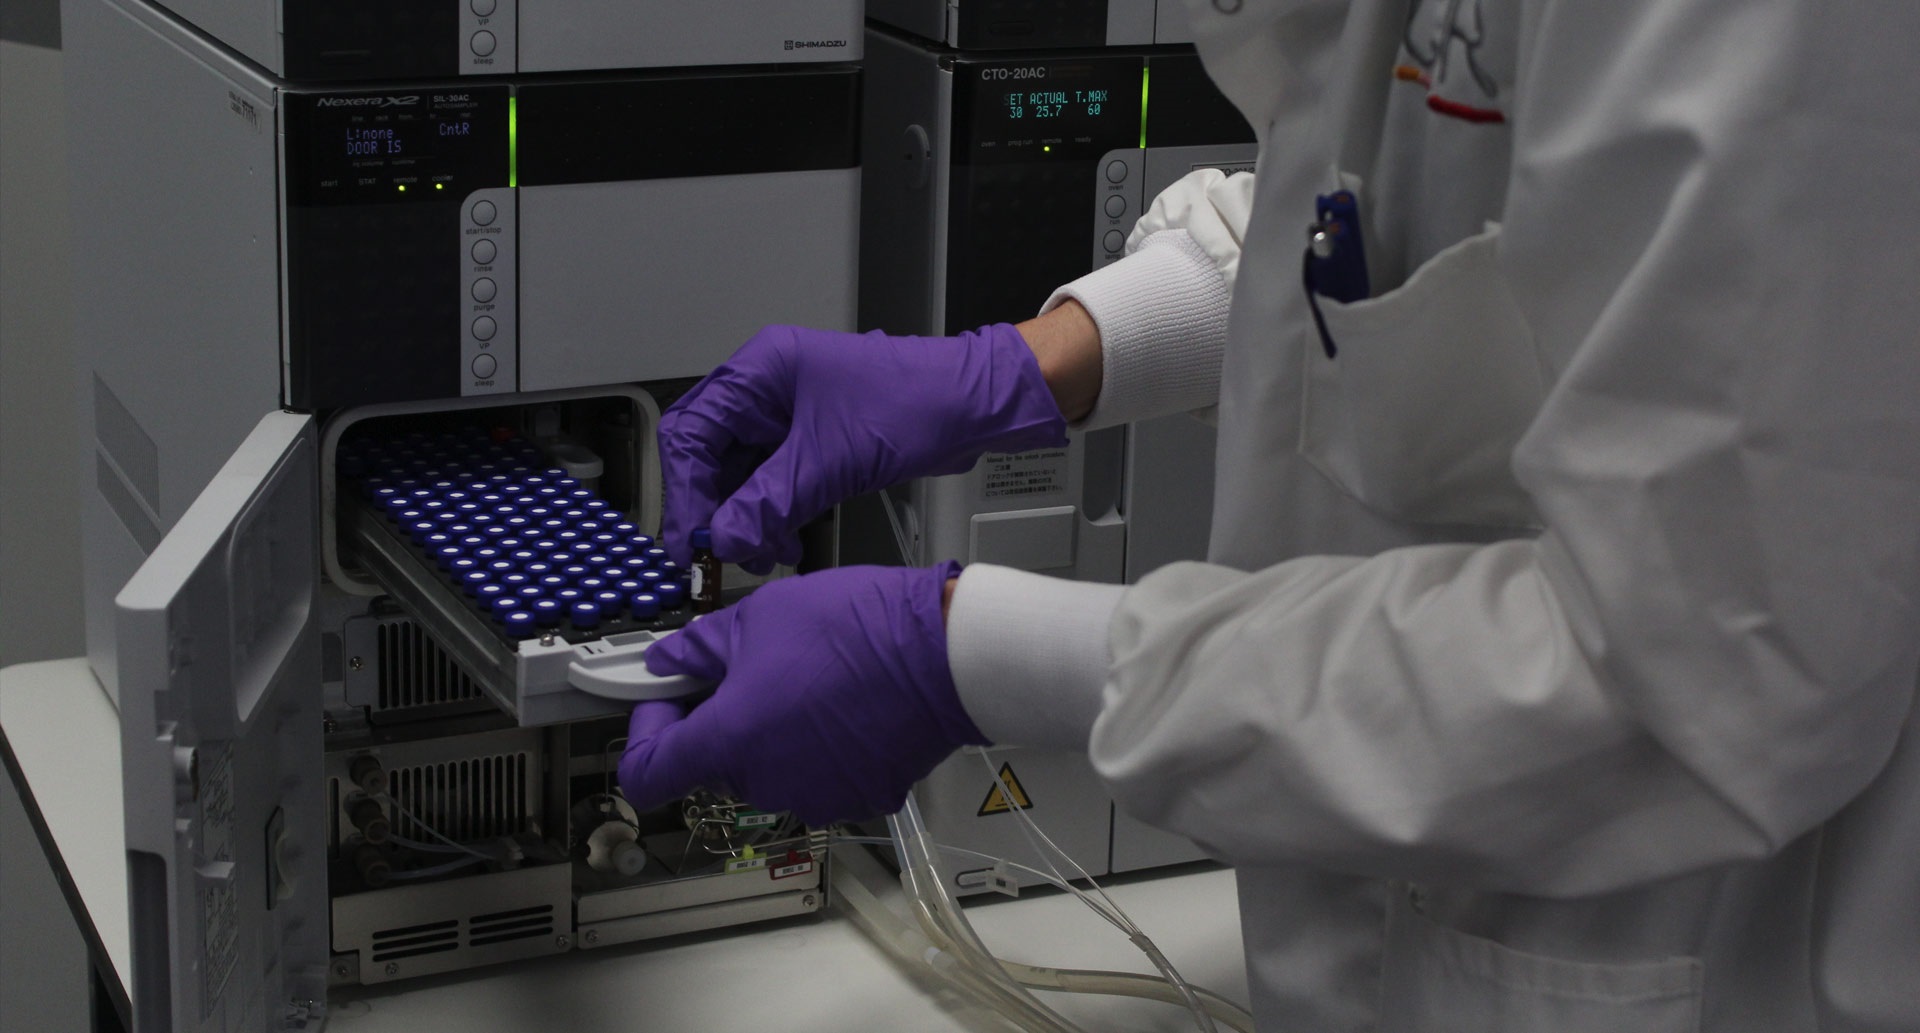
834 698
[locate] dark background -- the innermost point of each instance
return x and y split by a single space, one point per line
31 21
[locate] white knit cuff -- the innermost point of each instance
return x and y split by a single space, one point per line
1029 654
1162 315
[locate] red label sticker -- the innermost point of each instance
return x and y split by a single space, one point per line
797 864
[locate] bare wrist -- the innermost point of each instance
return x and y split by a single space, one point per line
1066 344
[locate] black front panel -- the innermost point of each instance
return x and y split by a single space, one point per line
670 125
1013 24
330 40
1185 108
1028 138
375 183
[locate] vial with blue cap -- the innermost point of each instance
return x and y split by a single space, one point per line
547 613
519 623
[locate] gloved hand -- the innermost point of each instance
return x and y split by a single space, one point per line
800 420
833 700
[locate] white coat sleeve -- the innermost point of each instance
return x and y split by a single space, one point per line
1713 646
1162 310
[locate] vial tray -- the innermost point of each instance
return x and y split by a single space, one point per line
505 558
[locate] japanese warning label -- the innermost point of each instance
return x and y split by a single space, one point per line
1020 475
220 922
219 900
1005 795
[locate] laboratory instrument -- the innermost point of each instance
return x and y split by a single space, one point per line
362 742
1036 24
331 250
379 40
997 178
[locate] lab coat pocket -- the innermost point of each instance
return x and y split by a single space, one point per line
1440 980
1417 412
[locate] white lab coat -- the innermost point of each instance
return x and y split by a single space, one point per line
1555 670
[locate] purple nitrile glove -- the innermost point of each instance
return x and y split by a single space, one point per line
834 698
800 420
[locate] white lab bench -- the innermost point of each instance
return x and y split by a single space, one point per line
59 736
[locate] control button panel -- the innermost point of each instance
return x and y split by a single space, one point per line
489 335
1118 202
488 45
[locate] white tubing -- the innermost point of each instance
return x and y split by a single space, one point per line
954 935
1203 1020
949 946
1127 984
855 873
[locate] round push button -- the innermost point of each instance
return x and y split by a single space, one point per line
483 43
1116 171
484 212
1116 206
483 289
484 252
483 8
1113 241
484 366
484 328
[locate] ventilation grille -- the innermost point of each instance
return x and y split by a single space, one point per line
415 672
510 925
415 940
465 799
482 931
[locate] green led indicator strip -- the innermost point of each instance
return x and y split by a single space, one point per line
1144 69
513 141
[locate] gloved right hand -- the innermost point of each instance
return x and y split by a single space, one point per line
833 698
799 420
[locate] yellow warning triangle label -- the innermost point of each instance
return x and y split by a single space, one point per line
1006 794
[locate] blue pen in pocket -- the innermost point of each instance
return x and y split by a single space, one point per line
1335 262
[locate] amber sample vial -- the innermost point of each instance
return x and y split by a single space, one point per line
704 582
